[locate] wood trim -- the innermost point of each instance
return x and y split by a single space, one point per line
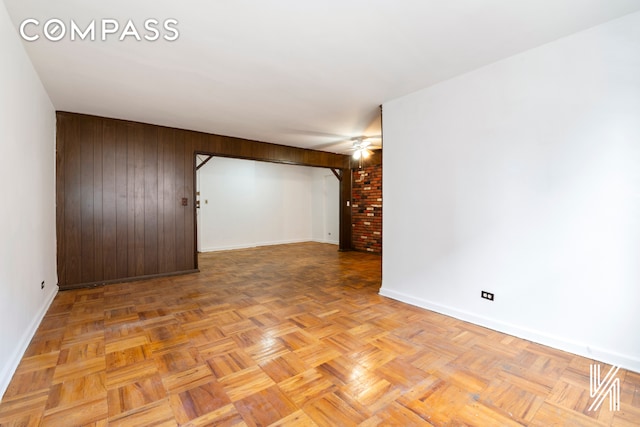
338 174
345 210
204 162
126 280
194 197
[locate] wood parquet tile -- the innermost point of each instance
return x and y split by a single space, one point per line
291 335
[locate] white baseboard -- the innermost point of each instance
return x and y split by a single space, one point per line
252 245
550 340
7 371
331 242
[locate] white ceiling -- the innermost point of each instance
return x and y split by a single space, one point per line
293 72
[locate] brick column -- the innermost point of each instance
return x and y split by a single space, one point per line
367 209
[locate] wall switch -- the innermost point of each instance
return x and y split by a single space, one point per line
487 295
185 201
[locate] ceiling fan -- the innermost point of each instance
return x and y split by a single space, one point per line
357 144
362 147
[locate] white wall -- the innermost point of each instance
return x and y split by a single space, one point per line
245 203
27 211
522 178
325 209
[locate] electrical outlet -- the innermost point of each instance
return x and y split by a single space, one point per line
42 285
487 295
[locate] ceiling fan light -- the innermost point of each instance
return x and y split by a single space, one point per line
365 153
357 154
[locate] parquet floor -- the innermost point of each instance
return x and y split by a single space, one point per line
292 335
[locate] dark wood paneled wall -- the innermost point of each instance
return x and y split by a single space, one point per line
120 187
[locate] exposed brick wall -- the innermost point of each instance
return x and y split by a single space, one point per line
366 209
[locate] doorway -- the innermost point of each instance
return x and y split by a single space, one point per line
247 203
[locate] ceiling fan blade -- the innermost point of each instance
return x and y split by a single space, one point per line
367 140
344 143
